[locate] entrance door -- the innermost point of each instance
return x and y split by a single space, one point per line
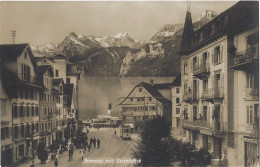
251 154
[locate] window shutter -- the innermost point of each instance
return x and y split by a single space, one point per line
212 56
247 115
221 53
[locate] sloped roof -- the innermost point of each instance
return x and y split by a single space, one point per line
44 68
59 56
12 51
187 32
177 80
40 58
57 81
153 90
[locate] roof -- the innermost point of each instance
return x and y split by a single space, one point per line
44 68
238 18
59 56
187 32
57 81
177 80
40 58
153 90
12 50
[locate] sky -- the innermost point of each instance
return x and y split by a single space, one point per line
40 23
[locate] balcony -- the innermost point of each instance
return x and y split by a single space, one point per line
244 60
252 93
204 127
212 94
201 71
187 97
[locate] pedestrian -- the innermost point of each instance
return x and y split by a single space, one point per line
91 141
82 154
56 162
95 141
89 148
98 143
69 154
115 132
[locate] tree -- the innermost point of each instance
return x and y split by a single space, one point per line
42 152
151 148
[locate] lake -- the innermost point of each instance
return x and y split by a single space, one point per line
95 93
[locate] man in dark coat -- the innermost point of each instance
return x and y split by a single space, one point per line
56 162
98 143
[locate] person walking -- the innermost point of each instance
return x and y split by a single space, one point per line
91 141
56 162
115 132
69 154
95 141
98 143
89 147
82 153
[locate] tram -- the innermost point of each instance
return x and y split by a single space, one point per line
125 132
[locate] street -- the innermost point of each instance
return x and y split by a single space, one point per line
113 150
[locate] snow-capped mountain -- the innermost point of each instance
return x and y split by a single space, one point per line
208 14
167 31
120 55
47 50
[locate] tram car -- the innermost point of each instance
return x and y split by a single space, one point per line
125 132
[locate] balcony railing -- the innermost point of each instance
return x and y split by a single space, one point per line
252 93
205 127
28 79
201 70
242 59
212 93
187 97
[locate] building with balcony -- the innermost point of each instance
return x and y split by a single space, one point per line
146 101
244 62
48 109
60 97
18 73
210 60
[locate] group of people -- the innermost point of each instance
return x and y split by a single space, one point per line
95 141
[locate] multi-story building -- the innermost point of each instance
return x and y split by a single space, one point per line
210 110
177 113
6 120
244 61
146 101
48 110
21 86
61 121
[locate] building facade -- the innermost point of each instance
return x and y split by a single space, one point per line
145 102
213 111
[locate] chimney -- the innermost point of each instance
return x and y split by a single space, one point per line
151 82
109 109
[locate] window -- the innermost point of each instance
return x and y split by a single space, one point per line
3 106
15 132
177 100
36 111
15 111
2 133
26 94
21 111
195 63
150 99
27 111
178 122
205 84
57 73
217 58
131 99
140 89
21 150
185 69
250 115
177 110
22 130
67 80
25 55
31 94
205 113
177 90
32 111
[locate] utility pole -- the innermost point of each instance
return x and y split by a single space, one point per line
13 34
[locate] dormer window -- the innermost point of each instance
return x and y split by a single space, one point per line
140 89
25 55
